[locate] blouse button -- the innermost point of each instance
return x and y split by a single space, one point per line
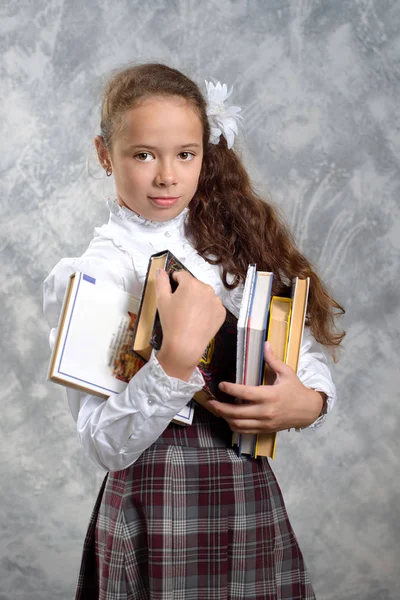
150 401
167 234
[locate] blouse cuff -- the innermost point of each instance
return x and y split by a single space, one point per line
326 387
179 386
157 392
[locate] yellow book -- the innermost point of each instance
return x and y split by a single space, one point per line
300 291
278 333
285 334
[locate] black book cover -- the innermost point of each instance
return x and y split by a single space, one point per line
218 362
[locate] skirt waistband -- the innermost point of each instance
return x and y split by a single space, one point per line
206 431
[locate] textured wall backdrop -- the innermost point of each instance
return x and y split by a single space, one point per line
319 83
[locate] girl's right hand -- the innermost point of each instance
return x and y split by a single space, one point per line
190 317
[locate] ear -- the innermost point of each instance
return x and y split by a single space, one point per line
102 152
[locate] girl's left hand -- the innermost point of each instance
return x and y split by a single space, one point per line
268 408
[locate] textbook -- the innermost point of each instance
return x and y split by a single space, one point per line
278 332
218 362
285 334
252 325
92 351
241 333
300 289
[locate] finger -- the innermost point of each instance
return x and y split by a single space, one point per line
273 362
181 276
251 393
242 413
248 426
163 286
236 411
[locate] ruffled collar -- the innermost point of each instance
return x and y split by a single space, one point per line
128 215
150 237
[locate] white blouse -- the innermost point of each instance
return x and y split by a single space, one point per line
115 432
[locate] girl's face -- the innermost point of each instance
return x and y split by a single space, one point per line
157 156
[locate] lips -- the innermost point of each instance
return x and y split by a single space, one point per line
164 201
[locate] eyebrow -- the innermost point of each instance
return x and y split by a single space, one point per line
133 146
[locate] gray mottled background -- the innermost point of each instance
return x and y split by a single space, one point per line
319 85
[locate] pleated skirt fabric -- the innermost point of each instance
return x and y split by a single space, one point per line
190 520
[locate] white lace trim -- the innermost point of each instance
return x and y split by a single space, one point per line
140 250
128 215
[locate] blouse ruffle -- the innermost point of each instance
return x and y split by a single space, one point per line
124 213
133 240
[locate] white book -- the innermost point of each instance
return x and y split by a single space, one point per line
242 321
92 352
256 325
242 330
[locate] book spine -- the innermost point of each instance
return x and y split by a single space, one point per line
242 334
266 443
246 438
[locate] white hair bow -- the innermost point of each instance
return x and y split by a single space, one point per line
223 119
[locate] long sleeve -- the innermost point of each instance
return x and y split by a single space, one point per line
314 373
114 432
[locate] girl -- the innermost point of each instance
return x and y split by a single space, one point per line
180 515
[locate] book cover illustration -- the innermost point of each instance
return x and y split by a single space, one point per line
123 361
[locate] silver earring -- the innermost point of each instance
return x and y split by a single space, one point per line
109 171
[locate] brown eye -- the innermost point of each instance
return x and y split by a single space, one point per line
143 156
186 156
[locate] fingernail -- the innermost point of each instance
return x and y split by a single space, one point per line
222 387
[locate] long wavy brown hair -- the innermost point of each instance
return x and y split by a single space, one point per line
227 219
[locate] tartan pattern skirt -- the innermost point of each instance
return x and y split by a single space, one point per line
190 520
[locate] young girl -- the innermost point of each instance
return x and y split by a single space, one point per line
180 515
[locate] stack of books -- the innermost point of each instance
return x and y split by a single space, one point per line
280 320
105 336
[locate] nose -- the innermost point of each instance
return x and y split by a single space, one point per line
166 174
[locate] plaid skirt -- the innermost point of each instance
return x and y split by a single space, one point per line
190 520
